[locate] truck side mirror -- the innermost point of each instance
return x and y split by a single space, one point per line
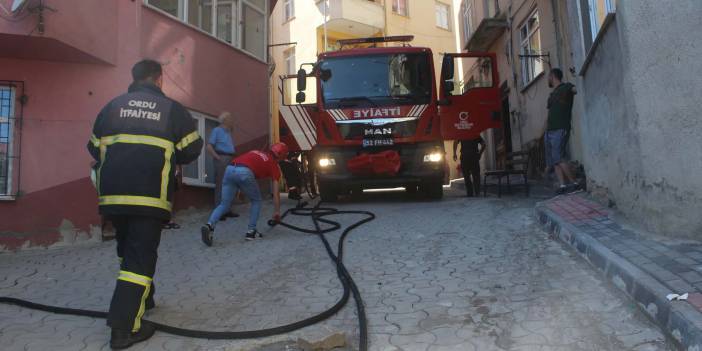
300 97
301 80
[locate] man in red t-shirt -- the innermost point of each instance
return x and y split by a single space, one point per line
242 175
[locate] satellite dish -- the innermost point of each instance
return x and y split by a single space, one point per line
17 5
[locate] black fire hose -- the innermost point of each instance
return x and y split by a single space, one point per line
318 215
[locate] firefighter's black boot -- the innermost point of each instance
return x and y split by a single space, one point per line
122 339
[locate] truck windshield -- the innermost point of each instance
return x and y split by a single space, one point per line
376 80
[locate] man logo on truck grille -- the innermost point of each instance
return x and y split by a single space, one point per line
377 131
463 123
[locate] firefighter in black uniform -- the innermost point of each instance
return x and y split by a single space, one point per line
138 139
471 152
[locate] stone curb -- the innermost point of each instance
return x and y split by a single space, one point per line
678 319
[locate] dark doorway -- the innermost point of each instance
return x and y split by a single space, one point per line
503 137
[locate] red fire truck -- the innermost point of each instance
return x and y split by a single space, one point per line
374 117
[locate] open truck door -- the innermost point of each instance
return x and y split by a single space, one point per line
469 100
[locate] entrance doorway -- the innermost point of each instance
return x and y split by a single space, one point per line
502 138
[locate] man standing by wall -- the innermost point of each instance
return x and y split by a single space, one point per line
221 147
138 139
557 130
471 152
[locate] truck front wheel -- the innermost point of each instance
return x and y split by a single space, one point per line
433 190
328 193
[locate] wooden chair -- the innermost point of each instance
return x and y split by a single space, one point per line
516 163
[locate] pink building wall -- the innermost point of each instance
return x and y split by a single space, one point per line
83 61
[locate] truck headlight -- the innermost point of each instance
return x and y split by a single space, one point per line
433 157
326 162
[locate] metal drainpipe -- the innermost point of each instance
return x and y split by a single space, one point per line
514 75
385 18
557 31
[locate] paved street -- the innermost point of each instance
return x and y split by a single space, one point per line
460 274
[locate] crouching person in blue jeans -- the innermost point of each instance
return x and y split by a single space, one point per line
241 175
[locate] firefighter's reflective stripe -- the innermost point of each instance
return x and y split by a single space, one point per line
168 147
139 280
135 201
187 140
94 140
136 139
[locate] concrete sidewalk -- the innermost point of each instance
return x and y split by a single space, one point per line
645 267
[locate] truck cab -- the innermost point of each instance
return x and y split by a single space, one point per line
375 117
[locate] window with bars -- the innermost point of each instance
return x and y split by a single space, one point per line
530 44
241 23
9 146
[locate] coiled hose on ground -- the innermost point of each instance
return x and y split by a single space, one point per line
319 216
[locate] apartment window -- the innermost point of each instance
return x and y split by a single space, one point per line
254 31
172 7
199 14
240 23
400 7
290 61
598 11
442 15
289 9
530 44
227 14
7 157
201 171
467 19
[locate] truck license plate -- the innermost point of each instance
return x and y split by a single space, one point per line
378 142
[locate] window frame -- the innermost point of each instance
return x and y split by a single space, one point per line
289 10
447 7
528 64
289 59
595 26
201 180
10 193
183 9
396 6
467 14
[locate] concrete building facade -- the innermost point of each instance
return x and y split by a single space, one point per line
59 64
639 90
635 125
527 38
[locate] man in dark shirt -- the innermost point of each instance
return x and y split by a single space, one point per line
557 131
471 151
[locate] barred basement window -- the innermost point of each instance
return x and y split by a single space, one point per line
9 139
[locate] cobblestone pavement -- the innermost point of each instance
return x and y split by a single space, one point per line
460 274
